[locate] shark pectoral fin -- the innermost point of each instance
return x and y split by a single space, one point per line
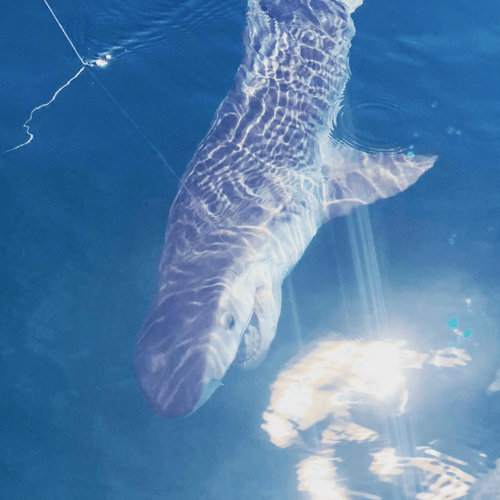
262 329
355 178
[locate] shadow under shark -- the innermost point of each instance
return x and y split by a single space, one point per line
259 186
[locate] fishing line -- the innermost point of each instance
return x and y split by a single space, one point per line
65 34
86 64
89 65
26 126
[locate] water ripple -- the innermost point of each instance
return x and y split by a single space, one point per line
122 29
377 126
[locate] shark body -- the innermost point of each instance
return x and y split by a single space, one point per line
259 186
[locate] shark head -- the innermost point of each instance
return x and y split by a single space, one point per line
193 334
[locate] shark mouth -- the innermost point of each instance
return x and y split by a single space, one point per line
249 349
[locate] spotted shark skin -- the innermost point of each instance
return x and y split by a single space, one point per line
259 186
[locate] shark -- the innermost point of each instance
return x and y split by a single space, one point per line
262 182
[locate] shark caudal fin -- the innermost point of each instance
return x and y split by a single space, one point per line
355 178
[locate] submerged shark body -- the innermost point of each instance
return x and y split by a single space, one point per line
259 186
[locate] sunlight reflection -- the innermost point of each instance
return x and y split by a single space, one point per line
379 370
326 383
317 475
443 481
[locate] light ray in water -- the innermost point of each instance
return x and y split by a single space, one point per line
399 427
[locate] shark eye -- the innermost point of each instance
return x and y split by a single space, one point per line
227 320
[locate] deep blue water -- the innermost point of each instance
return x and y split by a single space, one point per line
82 218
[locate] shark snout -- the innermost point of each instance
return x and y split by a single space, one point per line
172 388
176 375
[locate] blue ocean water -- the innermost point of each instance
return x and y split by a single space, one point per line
82 219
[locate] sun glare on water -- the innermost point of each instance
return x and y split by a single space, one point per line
325 384
379 368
